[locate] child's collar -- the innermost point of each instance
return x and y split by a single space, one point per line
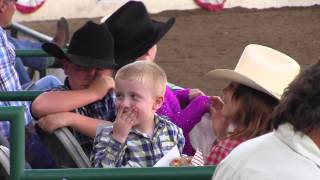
158 124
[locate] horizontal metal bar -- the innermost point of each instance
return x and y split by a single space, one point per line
163 173
33 53
19 95
28 31
17 158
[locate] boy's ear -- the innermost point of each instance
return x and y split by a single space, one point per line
158 102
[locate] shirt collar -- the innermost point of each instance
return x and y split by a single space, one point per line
159 124
299 142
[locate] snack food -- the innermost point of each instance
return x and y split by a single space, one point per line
181 161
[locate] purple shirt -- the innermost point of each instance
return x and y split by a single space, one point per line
185 118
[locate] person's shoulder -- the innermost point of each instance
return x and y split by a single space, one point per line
165 120
229 143
244 162
253 144
250 150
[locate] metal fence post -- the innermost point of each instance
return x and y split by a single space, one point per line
16 117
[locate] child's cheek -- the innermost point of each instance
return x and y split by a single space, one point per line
135 110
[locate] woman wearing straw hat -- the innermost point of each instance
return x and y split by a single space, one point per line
292 149
256 85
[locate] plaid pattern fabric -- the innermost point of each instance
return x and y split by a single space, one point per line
9 80
139 150
221 149
104 109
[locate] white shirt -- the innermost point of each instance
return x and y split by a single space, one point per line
281 155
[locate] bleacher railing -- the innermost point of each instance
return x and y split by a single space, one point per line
31 53
19 28
17 171
15 115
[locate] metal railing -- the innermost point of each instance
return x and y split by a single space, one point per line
16 117
33 53
17 171
19 95
17 27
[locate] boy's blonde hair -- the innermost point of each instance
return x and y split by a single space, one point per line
145 72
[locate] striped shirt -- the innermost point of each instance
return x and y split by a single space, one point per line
9 80
104 109
139 150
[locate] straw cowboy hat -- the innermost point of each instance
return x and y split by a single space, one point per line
91 46
261 68
134 32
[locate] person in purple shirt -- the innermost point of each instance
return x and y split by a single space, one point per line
186 118
136 36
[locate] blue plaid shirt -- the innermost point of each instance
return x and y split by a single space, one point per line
104 109
9 80
139 150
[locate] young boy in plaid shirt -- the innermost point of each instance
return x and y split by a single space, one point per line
139 137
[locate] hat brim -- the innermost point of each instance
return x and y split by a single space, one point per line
55 51
123 58
227 74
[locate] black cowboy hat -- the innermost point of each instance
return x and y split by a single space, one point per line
91 46
134 32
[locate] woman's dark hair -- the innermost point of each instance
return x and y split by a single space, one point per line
300 104
253 115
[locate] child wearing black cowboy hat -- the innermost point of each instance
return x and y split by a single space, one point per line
135 36
85 100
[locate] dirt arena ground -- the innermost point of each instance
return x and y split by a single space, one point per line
201 40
